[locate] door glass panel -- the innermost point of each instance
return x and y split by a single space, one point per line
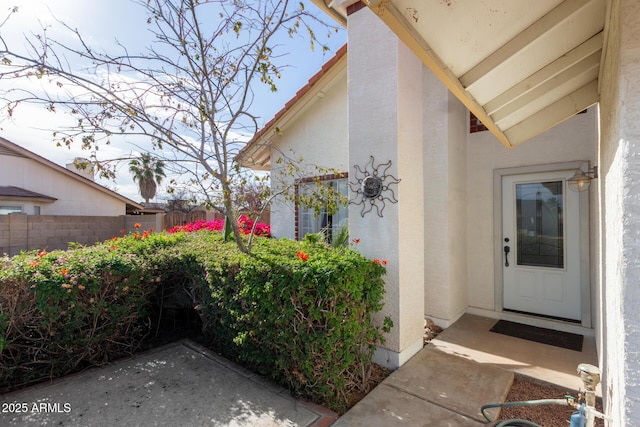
540 224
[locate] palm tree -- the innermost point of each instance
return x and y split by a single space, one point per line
148 172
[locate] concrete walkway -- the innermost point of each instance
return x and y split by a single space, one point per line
432 389
181 384
465 367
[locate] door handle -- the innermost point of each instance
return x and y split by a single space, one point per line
507 249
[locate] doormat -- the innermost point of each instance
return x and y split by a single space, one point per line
545 336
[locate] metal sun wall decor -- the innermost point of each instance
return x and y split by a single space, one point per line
372 185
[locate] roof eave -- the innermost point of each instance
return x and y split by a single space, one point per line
71 174
257 152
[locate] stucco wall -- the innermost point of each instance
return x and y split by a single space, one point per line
572 140
445 159
620 207
74 197
457 119
385 111
319 137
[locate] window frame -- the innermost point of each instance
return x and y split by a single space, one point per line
298 208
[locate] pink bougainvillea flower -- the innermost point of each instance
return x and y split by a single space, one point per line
303 256
245 225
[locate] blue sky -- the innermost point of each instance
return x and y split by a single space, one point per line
101 22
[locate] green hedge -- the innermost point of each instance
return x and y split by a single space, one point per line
298 312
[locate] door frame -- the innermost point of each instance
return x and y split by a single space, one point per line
585 253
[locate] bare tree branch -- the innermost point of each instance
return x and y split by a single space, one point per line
189 95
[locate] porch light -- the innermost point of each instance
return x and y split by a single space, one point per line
581 180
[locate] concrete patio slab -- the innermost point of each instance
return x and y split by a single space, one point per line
181 384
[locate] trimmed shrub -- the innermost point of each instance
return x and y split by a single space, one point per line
297 312
64 310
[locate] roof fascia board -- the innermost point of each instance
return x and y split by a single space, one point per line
329 10
28 199
605 42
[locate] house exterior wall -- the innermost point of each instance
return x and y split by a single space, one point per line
385 123
620 208
457 121
319 137
74 197
445 163
572 140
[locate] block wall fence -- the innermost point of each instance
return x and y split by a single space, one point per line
22 232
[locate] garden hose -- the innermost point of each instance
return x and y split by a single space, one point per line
516 422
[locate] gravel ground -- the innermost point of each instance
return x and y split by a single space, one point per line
544 415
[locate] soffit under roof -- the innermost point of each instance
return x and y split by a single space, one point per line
520 66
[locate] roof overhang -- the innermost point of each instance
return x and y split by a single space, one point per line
9 148
17 194
520 66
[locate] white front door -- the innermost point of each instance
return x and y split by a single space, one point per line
541 245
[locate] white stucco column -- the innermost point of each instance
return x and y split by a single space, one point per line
445 122
385 121
620 213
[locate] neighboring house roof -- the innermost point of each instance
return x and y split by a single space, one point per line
17 193
520 67
8 148
257 153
